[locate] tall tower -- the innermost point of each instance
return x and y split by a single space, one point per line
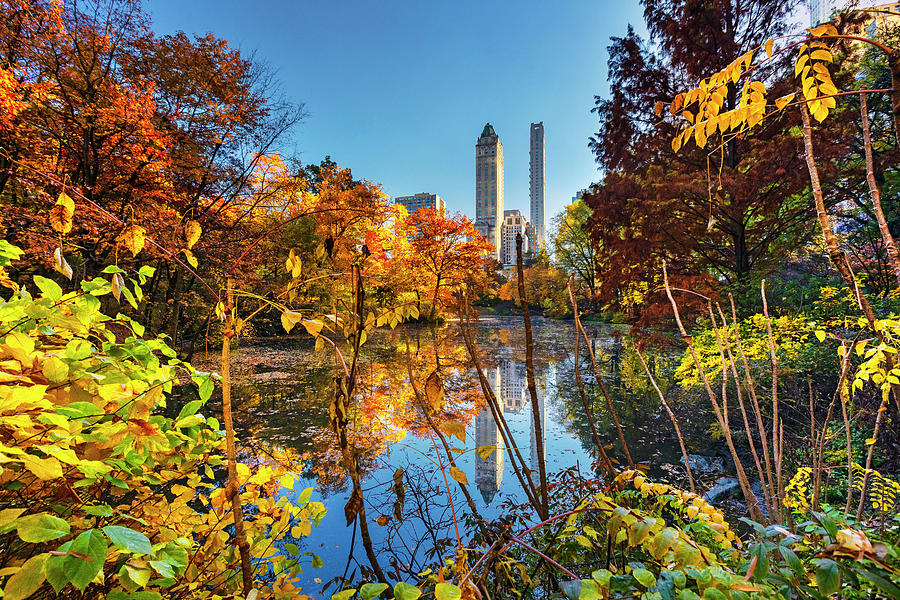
536 189
489 186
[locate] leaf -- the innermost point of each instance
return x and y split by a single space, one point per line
49 288
189 256
458 475
61 214
769 45
484 452
290 318
405 591
133 238
27 580
45 469
658 108
590 590
60 264
820 335
571 588
192 231
129 539
644 577
454 428
434 390
822 30
828 577
344 595
662 541
370 590
447 591
313 328
83 559
118 282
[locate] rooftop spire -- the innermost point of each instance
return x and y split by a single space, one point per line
488 131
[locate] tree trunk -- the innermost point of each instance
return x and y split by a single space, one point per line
233 491
889 243
532 386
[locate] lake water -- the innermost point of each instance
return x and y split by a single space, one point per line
283 389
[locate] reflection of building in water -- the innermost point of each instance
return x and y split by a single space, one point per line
534 449
513 385
489 473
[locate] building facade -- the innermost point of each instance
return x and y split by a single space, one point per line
536 180
513 223
420 201
489 187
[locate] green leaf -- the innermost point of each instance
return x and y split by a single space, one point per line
891 590
590 590
83 559
41 527
140 576
662 541
447 591
128 539
370 590
189 409
304 496
714 594
828 577
571 588
344 595
49 288
26 580
205 388
317 562
405 591
644 577
78 349
163 568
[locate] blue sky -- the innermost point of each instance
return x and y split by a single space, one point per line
399 90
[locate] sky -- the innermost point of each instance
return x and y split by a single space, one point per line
399 90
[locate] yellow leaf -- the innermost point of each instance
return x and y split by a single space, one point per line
821 55
780 103
820 335
658 107
769 45
313 328
133 238
192 260
61 214
287 482
192 231
870 441
454 428
458 475
822 30
45 469
290 318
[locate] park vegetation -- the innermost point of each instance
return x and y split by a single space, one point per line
150 208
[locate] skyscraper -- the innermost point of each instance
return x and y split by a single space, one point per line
489 186
513 223
422 200
536 190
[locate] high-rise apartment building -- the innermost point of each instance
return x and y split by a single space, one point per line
423 200
489 186
513 223
537 186
821 10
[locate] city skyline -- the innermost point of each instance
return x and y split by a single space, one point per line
425 73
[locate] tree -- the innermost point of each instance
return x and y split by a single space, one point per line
450 251
572 248
722 215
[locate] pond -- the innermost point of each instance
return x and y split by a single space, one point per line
283 389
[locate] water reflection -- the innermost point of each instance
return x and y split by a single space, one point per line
283 390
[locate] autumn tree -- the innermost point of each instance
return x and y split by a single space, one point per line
450 251
722 215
